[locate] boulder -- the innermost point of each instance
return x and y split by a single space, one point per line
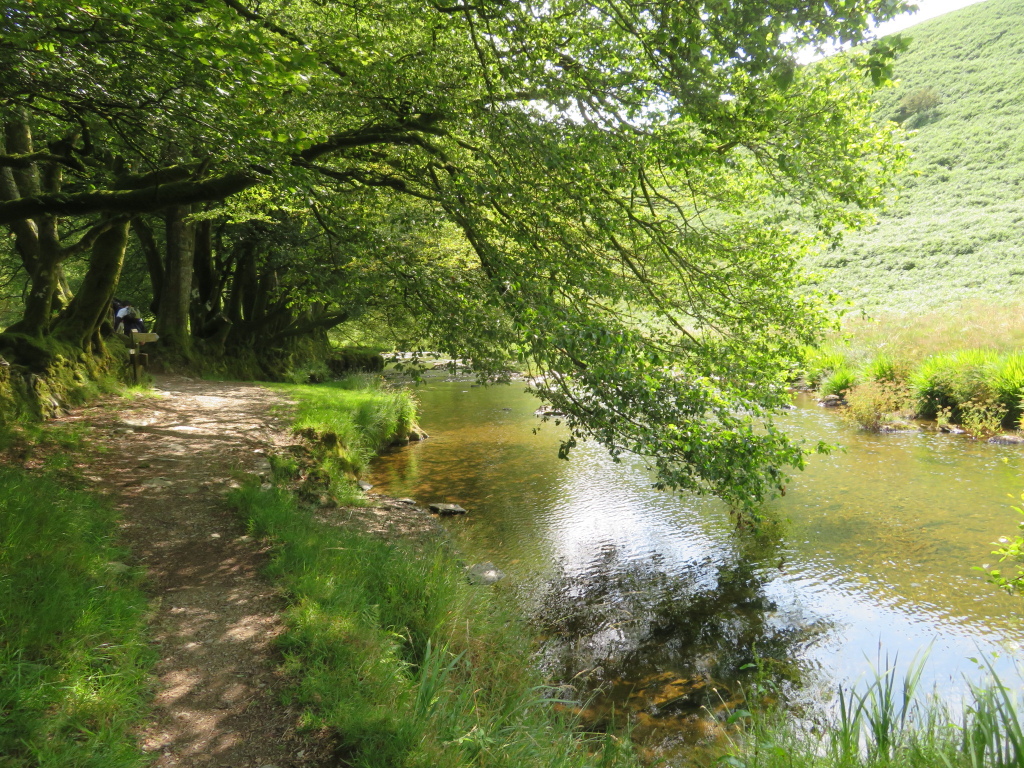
447 509
484 573
831 401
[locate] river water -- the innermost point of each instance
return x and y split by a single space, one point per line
636 589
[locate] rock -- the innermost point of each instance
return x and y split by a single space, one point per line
411 502
547 410
447 509
417 434
118 568
831 401
266 486
157 482
1006 440
484 574
364 486
949 429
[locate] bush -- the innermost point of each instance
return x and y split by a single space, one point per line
884 367
1008 388
873 402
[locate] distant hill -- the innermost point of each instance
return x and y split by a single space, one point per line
957 230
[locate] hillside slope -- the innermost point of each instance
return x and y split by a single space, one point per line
956 232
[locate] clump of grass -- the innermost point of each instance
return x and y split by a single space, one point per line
838 382
404 660
951 380
820 362
73 653
354 418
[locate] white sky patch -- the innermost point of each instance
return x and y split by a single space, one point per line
927 9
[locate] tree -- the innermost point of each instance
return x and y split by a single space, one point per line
609 184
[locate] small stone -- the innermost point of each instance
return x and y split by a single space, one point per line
265 486
406 501
214 535
364 486
118 568
447 509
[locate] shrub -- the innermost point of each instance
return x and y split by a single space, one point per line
873 402
349 359
884 367
820 362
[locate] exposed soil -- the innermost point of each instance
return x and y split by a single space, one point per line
168 462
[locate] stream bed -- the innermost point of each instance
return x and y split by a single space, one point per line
652 599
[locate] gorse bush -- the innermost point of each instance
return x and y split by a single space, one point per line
73 653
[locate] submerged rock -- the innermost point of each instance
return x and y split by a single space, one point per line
484 573
447 509
1006 440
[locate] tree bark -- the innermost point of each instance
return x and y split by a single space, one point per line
90 306
172 322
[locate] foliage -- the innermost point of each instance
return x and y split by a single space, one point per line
874 402
953 234
74 657
953 380
1010 550
591 189
403 660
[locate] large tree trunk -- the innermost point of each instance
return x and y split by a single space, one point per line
81 324
172 323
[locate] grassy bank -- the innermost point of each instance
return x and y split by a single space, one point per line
73 652
960 367
391 647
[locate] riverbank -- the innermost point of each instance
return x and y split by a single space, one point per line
960 368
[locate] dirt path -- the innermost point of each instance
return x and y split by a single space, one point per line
169 462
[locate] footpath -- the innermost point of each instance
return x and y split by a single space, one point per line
167 462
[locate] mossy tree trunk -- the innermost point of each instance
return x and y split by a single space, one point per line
81 323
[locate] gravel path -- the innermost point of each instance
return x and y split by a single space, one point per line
168 462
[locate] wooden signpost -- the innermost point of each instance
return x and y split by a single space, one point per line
137 359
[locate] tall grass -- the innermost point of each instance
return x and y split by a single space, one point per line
354 418
404 660
73 651
885 724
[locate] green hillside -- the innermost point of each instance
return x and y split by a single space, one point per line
956 232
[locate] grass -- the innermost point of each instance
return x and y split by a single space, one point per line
392 649
74 657
353 419
929 368
953 234
885 724
404 660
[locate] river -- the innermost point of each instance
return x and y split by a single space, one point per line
645 589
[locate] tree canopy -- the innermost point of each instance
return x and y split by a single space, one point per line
615 194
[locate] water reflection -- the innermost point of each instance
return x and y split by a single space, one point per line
879 545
